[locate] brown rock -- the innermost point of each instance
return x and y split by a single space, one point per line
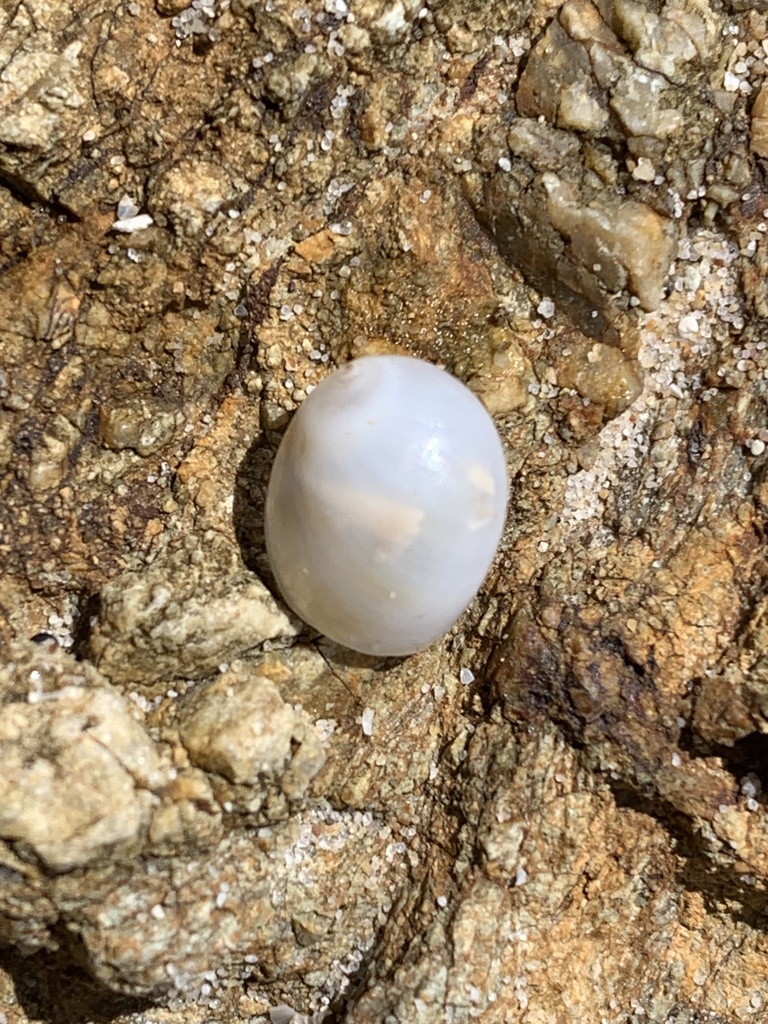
606 377
759 136
556 813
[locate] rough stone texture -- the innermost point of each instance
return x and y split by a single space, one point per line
86 793
242 729
560 811
184 616
602 110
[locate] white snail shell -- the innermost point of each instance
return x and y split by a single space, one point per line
386 504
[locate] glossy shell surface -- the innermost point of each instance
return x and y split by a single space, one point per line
386 504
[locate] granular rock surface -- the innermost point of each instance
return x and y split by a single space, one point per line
559 812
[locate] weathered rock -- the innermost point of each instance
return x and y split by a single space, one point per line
239 727
604 79
190 193
183 617
78 772
627 246
556 813
607 378
41 93
140 424
78 802
759 136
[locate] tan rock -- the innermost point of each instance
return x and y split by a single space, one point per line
759 129
625 244
606 377
242 729
76 777
182 618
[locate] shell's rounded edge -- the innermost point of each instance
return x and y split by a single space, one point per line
386 504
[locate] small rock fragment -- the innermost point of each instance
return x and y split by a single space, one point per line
77 771
606 377
759 138
241 728
140 423
182 618
131 224
625 244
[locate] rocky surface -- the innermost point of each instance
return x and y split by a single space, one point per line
207 812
